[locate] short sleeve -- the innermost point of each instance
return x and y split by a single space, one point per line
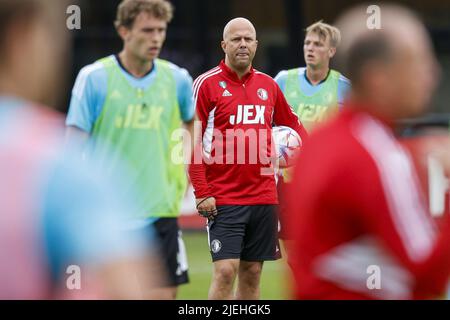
184 94
88 97
344 87
280 79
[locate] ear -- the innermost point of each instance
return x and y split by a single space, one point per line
376 77
332 52
223 44
256 44
123 32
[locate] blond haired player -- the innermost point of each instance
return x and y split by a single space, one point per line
316 91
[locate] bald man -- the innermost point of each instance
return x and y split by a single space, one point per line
363 230
234 181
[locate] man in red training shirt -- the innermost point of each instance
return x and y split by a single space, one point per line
362 228
234 182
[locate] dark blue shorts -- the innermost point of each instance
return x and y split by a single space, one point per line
248 233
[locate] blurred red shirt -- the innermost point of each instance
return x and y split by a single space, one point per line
357 212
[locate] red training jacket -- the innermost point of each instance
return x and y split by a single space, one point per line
237 116
362 227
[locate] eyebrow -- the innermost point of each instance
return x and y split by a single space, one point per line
154 28
315 41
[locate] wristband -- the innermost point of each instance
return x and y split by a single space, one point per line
202 201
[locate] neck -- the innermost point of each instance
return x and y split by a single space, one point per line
240 72
373 105
136 67
316 75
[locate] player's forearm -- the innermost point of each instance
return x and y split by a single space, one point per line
197 170
189 140
433 274
429 272
198 178
197 173
77 137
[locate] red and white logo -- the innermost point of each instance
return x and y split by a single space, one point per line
262 94
248 114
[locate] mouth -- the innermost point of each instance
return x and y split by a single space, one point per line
242 55
310 56
153 50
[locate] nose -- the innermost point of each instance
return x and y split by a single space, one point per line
156 37
243 44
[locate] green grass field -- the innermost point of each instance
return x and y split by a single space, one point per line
273 282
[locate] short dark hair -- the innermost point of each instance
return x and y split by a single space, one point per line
12 11
128 10
375 47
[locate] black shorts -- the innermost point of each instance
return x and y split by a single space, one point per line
247 233
172 250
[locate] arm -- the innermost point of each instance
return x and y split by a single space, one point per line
344 87
188 141
280 79
204 199
187 109
88 96
386 192
78 136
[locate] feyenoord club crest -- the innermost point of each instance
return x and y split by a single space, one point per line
216 245
262 94
223 84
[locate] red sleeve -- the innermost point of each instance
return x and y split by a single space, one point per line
386 193
284 114
197 170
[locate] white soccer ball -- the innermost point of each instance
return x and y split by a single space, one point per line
287 145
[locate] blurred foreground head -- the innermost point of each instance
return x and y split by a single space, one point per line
393 69
33 49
